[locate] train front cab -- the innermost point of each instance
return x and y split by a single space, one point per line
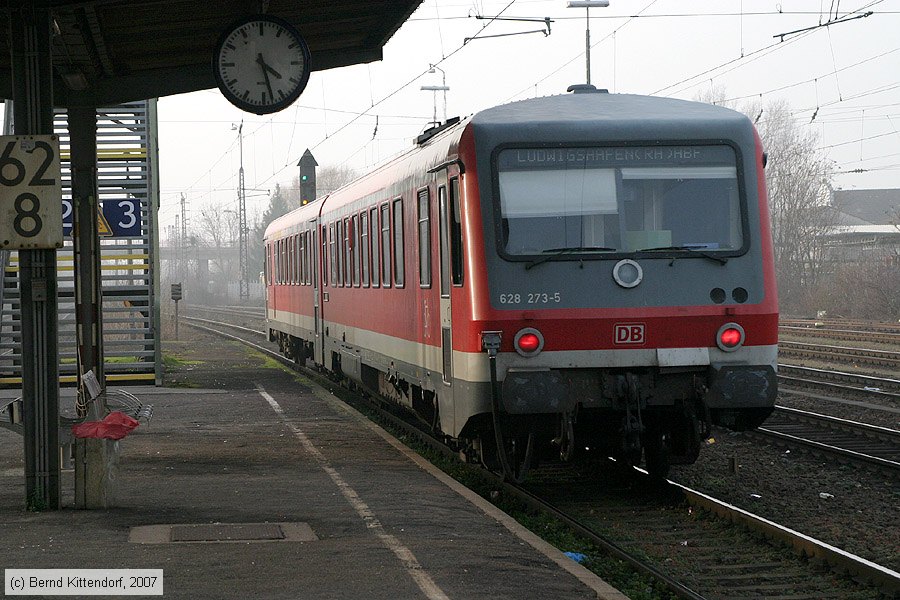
631 285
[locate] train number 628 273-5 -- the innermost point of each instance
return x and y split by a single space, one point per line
532 298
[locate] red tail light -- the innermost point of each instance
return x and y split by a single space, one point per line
528 341
730 337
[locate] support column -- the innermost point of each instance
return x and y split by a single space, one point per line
94 458
33 114
86 243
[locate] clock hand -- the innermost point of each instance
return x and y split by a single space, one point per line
267 67
263 65
271 70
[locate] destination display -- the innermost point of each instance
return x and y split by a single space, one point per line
614 157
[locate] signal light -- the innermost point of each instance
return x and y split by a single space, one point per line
730 337
528 342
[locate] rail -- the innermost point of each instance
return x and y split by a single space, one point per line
860 442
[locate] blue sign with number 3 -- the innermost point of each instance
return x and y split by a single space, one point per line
123 216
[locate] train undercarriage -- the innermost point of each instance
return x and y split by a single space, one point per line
639 417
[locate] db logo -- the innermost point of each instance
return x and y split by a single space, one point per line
629 333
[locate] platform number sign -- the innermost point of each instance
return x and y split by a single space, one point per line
30 192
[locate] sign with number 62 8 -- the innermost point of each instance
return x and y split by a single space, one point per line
30 192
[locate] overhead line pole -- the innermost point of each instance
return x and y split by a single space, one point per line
243 241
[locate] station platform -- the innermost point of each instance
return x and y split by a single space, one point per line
252 482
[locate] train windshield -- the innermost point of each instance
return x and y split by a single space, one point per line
575 201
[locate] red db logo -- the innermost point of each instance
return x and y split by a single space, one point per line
629 333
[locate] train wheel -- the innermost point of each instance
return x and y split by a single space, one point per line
656 455
519 455
517 458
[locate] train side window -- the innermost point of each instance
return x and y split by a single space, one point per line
333 254
292 259
308 238
444 240
298 259
386 244
456 246
354 248
287 260
347 251
398 243
277 248
376 268
339 251
301 258
295 273
266 271
364 246
279 265
324 258
424 202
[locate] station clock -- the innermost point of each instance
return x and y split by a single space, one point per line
261 64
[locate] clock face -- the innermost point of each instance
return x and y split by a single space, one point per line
261 64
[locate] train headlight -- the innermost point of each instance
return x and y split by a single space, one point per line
730 337
528 342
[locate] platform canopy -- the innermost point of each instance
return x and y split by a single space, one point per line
114 51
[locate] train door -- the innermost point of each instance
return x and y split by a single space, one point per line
317 267
444 216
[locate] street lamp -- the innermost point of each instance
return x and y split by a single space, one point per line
435 89
587 5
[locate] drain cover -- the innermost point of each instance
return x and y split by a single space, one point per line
223 532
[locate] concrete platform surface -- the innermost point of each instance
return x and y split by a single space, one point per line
271 488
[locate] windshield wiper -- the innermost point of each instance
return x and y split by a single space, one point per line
719 259
554 252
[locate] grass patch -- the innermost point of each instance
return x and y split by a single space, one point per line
270 363
174 360
106 359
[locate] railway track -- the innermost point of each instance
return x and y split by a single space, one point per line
851 324
692 556
850 335
841 354
883 387
857 442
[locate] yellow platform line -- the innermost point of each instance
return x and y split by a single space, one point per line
72 378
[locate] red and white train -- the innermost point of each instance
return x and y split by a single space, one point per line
584 271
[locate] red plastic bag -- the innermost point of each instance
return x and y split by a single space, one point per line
114 426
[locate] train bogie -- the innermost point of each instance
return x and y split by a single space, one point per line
582 271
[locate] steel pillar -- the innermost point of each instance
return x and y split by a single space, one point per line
33 114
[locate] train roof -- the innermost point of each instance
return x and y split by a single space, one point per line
585 116
610 117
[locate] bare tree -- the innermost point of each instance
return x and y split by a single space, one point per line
798 176
217 230
331 178
799 179
328 179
